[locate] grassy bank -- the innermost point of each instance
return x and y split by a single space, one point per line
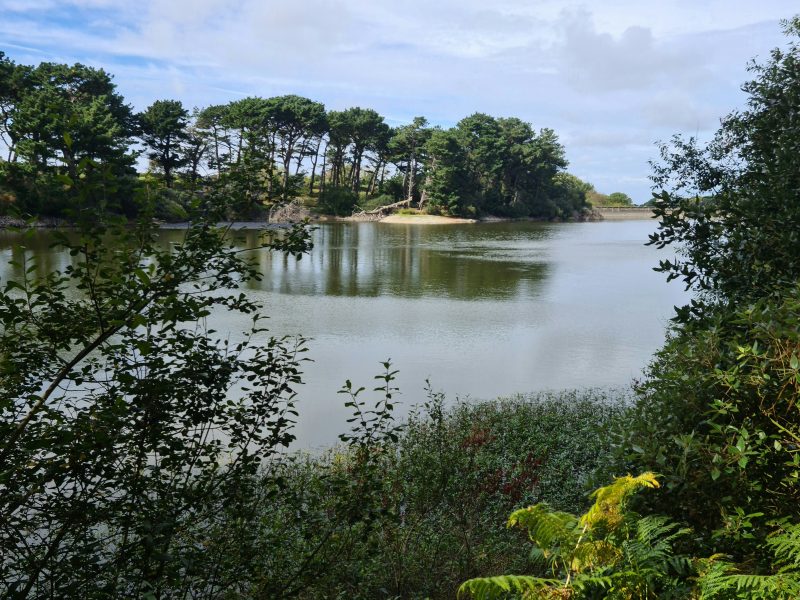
417 515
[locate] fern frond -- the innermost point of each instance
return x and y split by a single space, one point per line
595 554
680 565
547 528
609 501
592 585
652 548
785 546
720 579
491 588
768 587
658 529
541 557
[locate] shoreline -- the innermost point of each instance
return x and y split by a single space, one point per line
599 216
425 220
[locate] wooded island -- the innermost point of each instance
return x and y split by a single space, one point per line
59 122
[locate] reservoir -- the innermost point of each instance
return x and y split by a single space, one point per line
479 310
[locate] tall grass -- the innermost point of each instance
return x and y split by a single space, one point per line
439 498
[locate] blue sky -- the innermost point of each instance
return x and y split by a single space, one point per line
611 77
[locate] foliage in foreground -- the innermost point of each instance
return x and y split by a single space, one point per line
608 552
122 442
439 492
142 454
611 552
719 413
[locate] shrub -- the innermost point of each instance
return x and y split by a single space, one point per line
612 552
442 489
128 431
337 201
718 413
608 552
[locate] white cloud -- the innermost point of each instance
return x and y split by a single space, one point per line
632 60
610 76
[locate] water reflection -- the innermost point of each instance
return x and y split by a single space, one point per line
363 260
34 248
481 310
368 260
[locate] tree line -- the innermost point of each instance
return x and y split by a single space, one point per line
264 152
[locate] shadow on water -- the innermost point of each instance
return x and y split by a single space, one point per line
19 250
406 261
492 262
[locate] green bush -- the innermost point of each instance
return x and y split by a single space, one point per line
337 201
170 206
718 414
440 492
376 202
612 552
608 552
129 431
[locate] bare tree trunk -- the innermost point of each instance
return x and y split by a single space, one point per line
322 175
271 165
424 197
384 209
374 180
230 150
383 173
412 168
355 175
167 166
314 168
216 151
287 163
300 156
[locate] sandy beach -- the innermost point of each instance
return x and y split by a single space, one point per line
425 220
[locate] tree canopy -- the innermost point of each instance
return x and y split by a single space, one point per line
163 129
264 152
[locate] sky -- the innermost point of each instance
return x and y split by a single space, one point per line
611 77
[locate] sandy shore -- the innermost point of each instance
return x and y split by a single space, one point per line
425 220
625 214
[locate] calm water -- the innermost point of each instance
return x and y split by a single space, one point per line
480 310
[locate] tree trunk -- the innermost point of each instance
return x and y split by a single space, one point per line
374 180
239 149
216 151
167 166
286 168
300 156
383 173
424 197
314 168
324 161
385 208
271 165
